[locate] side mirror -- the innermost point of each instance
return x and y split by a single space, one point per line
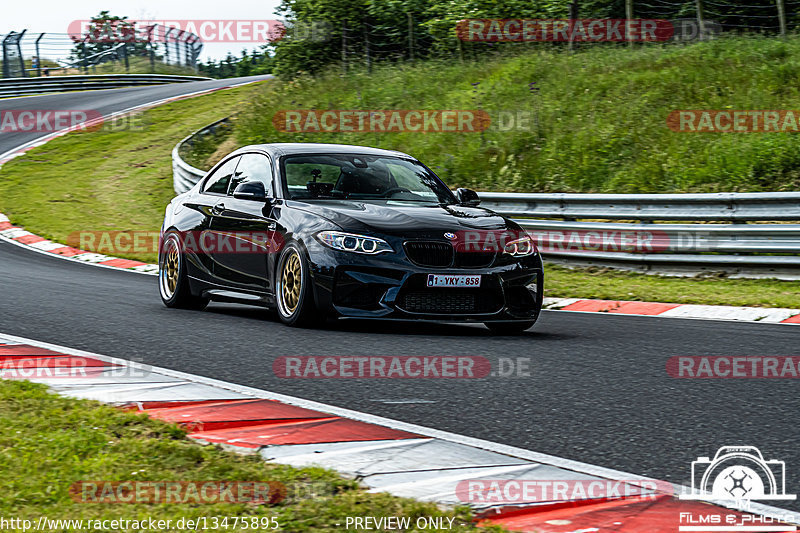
250 190
467 197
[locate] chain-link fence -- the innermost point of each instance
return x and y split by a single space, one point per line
767 16
155 49
408 35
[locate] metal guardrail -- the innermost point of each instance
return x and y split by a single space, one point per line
184 175
730 245
57 84
723 206
738 250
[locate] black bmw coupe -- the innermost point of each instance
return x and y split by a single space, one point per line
327 230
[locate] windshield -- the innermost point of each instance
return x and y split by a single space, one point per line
361 177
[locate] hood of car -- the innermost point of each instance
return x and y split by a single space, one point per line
406 218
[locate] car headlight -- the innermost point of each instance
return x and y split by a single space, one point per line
350 242
519 247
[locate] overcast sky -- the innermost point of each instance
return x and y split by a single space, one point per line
55 15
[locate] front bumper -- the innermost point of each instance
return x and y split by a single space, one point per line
384 286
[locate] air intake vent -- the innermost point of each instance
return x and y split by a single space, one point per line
422 302
465 259
430 253
451 302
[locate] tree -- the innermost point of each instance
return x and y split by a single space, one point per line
105 32
248 64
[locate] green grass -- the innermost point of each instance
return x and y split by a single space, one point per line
48 442
601 116
607 284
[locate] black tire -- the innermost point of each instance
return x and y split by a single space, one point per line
509 328
293 292
173 284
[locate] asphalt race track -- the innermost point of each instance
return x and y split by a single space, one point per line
598 390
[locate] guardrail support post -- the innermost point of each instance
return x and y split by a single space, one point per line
166 45
38 56
180 41
151 52
411 42
344 47
573 15
701 17
6 64
11 42
781 16
628 16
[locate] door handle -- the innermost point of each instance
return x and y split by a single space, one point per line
218 209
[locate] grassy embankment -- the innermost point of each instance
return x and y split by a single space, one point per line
601 116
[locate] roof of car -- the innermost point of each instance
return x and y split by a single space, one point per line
281 149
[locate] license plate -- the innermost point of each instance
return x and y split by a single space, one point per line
445 280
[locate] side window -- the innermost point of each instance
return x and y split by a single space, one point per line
218 182
404 177
253 167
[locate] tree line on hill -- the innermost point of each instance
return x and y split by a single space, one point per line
361 33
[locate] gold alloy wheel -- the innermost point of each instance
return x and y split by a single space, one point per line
171 268
291 282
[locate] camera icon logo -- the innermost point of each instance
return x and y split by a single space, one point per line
738 473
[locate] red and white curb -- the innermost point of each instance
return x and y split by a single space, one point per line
16 235
769 315
385 455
